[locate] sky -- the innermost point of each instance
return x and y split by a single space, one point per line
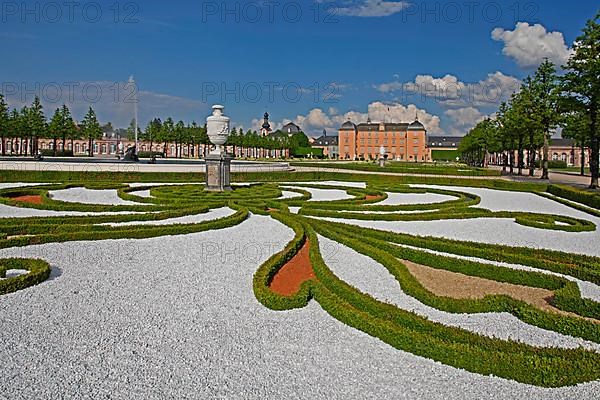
317 63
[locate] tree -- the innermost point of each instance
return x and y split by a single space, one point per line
581 86
152 131
546 98
55 129
69 129
575 126
167 133
91 129
36 122
4 123
480 140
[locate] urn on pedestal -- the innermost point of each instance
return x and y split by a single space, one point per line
218 162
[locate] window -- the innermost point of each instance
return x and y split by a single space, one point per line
555 157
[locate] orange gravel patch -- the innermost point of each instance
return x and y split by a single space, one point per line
459 286
373 197
29 199
294 273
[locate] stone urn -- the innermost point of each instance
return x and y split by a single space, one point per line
217 126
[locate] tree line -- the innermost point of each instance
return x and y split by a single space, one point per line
546 101
22 129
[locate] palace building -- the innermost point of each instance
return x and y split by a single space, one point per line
402 141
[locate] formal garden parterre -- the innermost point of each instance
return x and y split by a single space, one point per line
527 313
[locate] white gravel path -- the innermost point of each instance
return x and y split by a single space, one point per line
19 185
288 195
175 317
358 185
216 213
370 277
91 196
395 199
19 212
492 231
142 193
324 194
140 184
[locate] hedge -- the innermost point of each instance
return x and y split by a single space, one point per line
588 198
39 271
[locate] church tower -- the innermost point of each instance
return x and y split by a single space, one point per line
266 126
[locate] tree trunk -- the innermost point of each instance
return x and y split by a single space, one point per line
90 147
3 145
583 158
546 151
26 145
54 143
520 157
531 154
64 143
595 147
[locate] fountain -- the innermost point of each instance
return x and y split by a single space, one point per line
218 162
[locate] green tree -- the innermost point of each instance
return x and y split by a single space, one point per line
4 123
69 128
546 93
479 142
581 87
575 126
55 129
91 129
167 133
36 122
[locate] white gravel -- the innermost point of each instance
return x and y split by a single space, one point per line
90 196
19 185
142 193
358 185
22 212
288 195
140 184
395 199
324 194
175 317
216 213
372 278
501 230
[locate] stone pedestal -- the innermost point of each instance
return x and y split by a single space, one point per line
218 172
382 162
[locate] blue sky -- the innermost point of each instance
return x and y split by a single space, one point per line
313 62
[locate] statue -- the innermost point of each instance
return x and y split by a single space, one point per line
218 162
382 156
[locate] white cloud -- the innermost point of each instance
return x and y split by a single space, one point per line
465 118
316 119
371 8
449 91
528 45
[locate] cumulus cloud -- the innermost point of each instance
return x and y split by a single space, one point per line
528 45
317 119
449 91
371 8
465 118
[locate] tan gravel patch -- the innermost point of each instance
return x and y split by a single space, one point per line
460 286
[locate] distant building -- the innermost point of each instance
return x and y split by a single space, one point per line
329 144
443 148
402 141
291 128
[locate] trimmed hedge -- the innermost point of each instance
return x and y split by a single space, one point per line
39 271
588 198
